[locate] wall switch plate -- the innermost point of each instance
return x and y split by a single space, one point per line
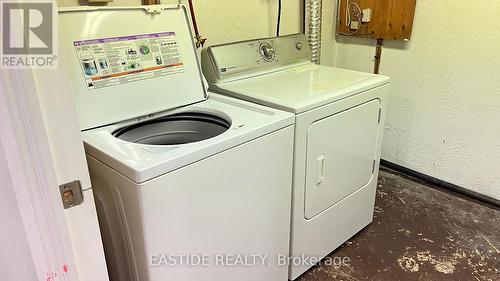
367 15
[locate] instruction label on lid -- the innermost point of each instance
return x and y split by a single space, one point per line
114 61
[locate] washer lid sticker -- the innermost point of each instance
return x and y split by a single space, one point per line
113 61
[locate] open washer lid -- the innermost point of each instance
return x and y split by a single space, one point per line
127 62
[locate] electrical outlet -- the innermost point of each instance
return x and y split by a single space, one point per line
367 15
354 24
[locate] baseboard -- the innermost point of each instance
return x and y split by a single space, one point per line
475 196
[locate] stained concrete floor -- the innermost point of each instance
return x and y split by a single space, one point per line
419 233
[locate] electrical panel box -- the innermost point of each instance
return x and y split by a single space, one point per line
378 19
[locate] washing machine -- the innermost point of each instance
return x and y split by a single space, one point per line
339 122
189 185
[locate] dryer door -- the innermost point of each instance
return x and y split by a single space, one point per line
340 155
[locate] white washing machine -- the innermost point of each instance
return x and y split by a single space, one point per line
188 184
339 121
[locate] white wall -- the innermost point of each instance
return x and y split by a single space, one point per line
444 108
328 36
444 115
223 21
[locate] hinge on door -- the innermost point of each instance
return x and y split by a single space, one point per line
379 114
71 194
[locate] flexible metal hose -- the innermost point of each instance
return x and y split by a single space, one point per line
314 29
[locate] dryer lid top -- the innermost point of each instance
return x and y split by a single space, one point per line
129 62
301 88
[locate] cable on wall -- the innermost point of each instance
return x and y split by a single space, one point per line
279 19
352 10
304 5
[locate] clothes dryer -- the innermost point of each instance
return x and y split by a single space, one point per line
339 123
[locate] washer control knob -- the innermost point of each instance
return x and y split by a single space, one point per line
298 46
267 51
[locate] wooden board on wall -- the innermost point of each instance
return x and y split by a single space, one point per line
391 19
150 2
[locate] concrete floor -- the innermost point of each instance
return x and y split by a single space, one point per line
419 233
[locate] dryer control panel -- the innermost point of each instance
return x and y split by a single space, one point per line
227 61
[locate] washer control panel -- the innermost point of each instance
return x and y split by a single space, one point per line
226 61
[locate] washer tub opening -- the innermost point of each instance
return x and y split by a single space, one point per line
174 129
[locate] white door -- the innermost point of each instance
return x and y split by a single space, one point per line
41 149
340 156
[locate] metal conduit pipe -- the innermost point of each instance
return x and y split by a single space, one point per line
314 29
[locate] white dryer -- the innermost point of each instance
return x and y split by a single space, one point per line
186 181
338 133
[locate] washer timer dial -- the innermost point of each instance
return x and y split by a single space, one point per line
267 51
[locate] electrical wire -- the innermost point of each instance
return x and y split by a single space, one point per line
279 19
349 16
304 16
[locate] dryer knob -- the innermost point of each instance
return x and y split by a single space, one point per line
267 51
